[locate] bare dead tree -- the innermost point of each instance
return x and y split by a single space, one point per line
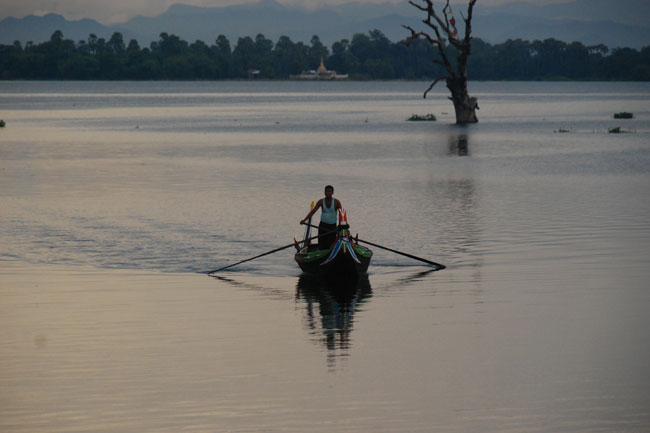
456 76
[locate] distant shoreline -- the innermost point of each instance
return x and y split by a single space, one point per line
285 80
364 57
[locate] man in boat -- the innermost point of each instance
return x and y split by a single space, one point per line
328 218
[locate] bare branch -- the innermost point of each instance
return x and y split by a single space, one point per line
441 50
431 86
468 21
417 35
432 14
422 8
464 47
444 12
435 23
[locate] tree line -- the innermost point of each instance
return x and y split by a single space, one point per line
364 57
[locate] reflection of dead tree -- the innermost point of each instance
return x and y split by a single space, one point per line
459 145
455 77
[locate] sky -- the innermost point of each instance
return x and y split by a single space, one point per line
115 11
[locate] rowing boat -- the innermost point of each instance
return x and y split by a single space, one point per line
334 264
345 260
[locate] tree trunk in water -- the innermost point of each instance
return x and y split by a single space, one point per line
456 75
464 104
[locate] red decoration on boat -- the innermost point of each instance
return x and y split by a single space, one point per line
343 217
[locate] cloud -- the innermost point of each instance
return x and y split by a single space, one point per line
41 12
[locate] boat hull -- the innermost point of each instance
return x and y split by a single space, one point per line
342 267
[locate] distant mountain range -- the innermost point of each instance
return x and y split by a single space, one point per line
623 23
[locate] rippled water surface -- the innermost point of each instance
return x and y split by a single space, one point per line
114 197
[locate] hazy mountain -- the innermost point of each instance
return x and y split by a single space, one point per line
615 24
267 17
39 29
628 12
498 27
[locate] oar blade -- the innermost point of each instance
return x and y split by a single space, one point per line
438 266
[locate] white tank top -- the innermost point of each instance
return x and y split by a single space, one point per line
328 215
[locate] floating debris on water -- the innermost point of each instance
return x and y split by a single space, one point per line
617 130
418 117
623 115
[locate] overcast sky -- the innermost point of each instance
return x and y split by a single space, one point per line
112 11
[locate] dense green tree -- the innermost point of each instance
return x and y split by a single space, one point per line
289 58
10 61
116 43
222 54
317 51
244 57
264 56
622 64
362 48
342 60
365 56
53 56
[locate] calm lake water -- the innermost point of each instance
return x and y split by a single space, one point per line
114 197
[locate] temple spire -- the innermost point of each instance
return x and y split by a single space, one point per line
321 69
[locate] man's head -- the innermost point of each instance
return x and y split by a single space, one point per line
329 190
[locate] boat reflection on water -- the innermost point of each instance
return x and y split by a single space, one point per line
330 310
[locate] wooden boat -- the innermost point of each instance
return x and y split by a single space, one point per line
333 264
344 261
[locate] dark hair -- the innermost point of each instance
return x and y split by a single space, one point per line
331 187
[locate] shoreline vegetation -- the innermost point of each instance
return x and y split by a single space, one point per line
369 56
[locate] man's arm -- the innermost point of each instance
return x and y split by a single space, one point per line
312 212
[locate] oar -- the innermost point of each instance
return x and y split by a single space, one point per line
308 228
411 256
267 253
